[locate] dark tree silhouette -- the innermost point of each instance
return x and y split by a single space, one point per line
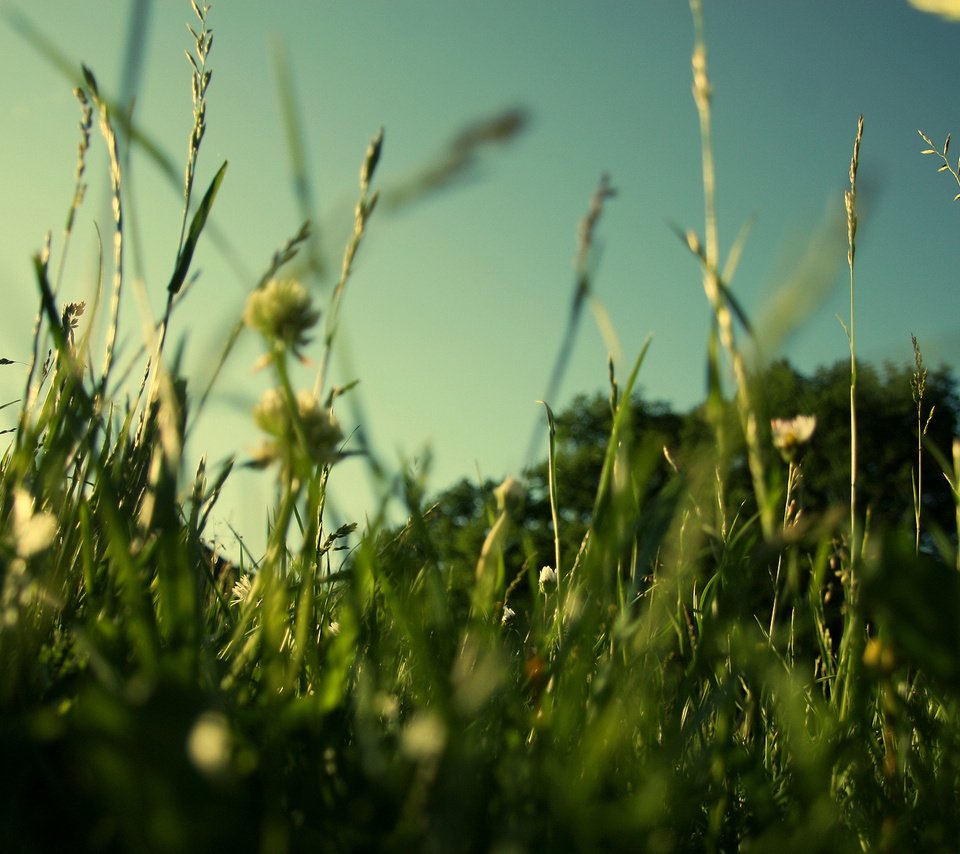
459 517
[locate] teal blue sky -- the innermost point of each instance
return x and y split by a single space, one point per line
457 306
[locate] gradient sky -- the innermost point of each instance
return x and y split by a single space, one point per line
458 302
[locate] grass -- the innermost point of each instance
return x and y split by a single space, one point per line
676 683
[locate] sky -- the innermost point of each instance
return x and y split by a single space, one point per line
458 301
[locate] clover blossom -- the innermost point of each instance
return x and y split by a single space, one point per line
312 439
281 312
548 575
789 434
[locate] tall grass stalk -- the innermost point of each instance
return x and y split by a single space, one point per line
852 642
110 137
200 81
717 294
554 497
583 293
303 187
362 212
918 386
789 514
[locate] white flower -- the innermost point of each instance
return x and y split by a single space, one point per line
241 590
32 532
334 628
508 615
548 575
790 433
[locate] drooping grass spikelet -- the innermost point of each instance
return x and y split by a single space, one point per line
460 157
303 185
582 291
942 154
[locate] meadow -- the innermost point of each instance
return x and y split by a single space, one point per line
710 665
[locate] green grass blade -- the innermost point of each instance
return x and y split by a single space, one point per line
193 235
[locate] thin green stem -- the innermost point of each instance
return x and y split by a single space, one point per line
365 206
793 477
849 664
710 258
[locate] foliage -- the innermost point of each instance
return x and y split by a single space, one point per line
457 523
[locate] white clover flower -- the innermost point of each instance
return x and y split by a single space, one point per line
241 590
282 313
790 433
321 434
32 532
548 575
508 615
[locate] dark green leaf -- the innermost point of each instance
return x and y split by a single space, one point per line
193 236
734 304
91 81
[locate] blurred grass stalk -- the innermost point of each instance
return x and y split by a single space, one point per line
717 294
